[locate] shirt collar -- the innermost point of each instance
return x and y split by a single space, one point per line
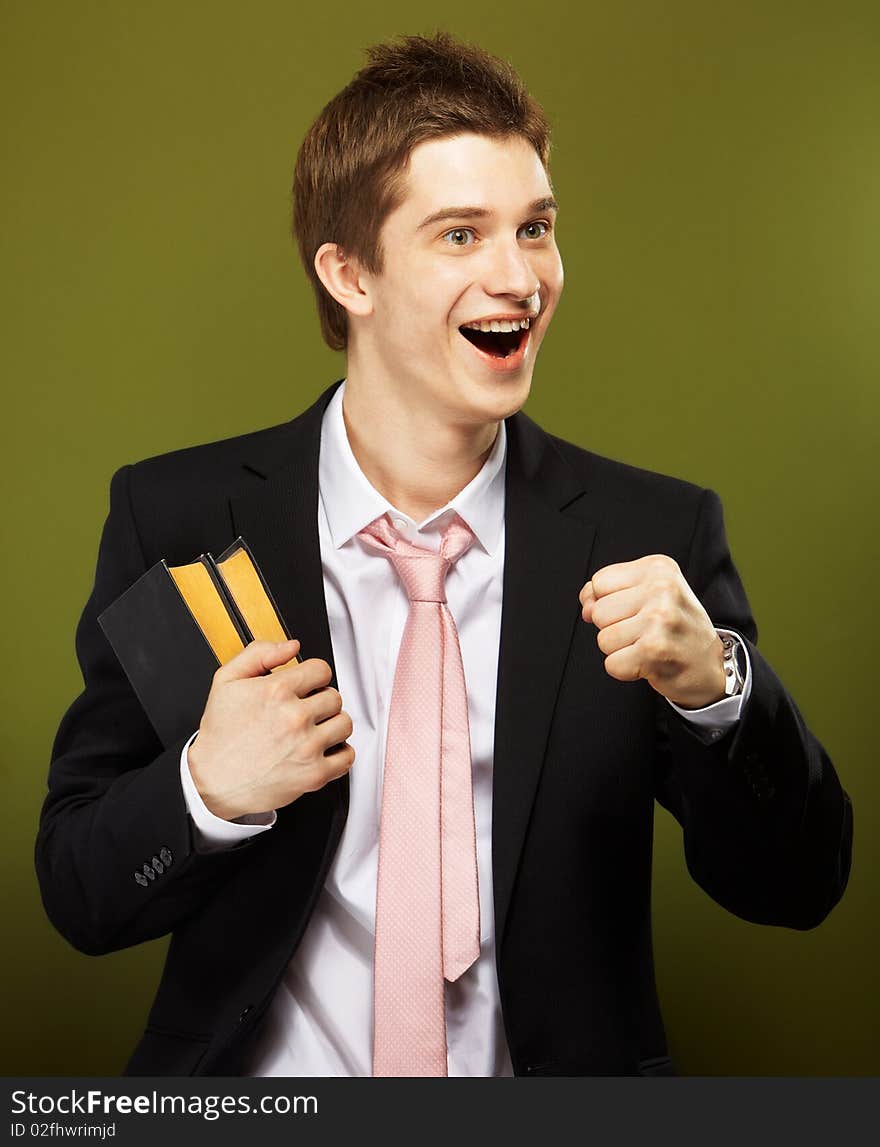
351 502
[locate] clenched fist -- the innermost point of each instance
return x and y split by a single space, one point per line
652 626
263 737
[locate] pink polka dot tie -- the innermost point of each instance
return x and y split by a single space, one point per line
427 897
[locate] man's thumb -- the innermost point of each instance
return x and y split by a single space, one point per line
259 658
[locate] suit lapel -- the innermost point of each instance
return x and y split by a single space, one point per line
547 557
277 514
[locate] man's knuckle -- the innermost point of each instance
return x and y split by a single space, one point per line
653 648
312 744
330 766
662 588
297 719
277 686
342 762
661 612
334 700
604 641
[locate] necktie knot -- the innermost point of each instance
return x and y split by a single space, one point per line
422 572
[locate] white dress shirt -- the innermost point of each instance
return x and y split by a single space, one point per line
320 1021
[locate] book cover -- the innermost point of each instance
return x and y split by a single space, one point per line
176 624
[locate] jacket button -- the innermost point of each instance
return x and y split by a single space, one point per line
158 866
148 872
141 879
245 1013
165 856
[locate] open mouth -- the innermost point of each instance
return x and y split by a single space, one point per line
498 344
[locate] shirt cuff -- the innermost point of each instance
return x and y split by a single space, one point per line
717 718
213 832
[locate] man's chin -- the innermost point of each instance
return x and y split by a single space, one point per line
493 400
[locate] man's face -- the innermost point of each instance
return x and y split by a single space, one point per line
473 242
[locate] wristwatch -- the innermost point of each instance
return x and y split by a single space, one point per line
733 676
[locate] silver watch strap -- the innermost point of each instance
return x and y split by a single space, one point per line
733 678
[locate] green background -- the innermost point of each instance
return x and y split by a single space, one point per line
718 171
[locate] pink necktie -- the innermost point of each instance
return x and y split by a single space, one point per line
427 898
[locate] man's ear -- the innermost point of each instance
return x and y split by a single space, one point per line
342 278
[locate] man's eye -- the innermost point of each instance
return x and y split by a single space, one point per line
459 237
536 230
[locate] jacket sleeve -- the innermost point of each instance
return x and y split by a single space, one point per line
767 826
115 806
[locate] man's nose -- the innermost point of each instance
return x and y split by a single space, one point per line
509 273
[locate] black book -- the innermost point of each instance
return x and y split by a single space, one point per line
176 625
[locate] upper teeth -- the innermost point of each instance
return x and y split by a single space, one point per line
500 326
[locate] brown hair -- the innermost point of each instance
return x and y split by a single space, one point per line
350 170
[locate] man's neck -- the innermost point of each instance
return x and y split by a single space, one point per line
412 458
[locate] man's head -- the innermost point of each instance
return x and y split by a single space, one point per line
351 167
422 204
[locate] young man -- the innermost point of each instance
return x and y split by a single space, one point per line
526 644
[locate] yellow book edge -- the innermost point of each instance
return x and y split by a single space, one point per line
208 609
246 588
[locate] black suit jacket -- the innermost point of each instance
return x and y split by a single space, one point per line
579 760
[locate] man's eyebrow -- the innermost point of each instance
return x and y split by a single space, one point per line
547 203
